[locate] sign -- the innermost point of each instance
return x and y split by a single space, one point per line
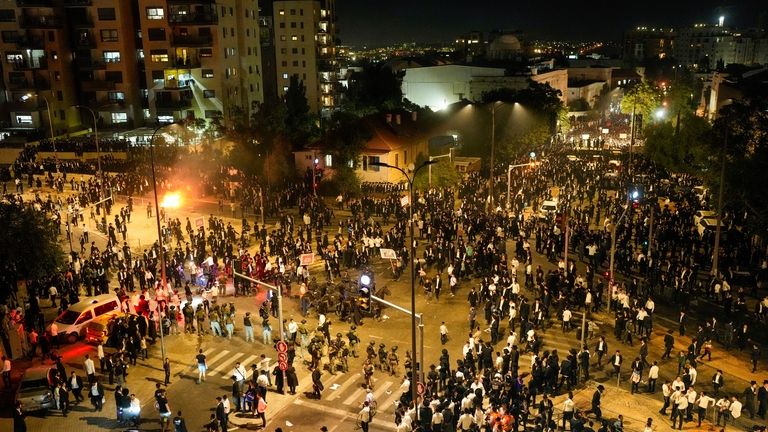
282 357
283 366
200 222
306 259
389 254
404 201
420 388
282 347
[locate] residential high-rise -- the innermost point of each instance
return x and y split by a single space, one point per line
132 62
305 46
201 58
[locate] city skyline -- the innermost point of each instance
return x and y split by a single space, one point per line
362 25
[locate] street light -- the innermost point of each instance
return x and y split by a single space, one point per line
96 137
50 123
410 179
159 231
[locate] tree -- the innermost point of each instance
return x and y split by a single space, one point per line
299 124
375 89
642 99
444 174
679 149
29 246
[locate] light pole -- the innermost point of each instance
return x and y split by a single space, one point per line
509 174
716 255
493 155
96 136
159 231
410 179
50 125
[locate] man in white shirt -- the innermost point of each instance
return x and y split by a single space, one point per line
653 375
568 408
466 420
443 333
735 408
566 319
53 330
693 374
666 391
90 369
723 405
691 395
239 373
679 413
702 405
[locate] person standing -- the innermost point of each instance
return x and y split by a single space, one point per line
164 411
6 372
762 399
90 369
167 371
702 404
364 416
202 366
179 425
653 376
63 394
443 333
76 385
755 356
601 349
19 423
568 409
261 410
616 360
134 407
248 326
669 343
666 391
221 415
750 397
718 381
596 400
317 385
96 393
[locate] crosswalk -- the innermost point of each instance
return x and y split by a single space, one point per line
342 391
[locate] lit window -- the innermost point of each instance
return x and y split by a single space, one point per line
285 76
328 161
285 88
294 38
119 117
24 119
155 13
207 73
282 12
111 56
159 56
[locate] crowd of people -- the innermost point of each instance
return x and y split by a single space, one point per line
464 247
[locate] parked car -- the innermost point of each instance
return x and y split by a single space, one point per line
35 389
73 321
548 207
102 329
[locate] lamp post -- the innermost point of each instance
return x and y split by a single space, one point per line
718 228
96 136
410 179
50 125
509 175
159 231
493 156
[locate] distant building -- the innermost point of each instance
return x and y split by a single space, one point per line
644 43
439 86
305 46
586 90
724 89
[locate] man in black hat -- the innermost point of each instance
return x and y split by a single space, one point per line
596 402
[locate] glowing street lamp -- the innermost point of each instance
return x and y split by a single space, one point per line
171 200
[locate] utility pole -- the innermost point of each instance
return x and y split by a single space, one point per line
716 253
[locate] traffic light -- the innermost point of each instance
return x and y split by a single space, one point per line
364 291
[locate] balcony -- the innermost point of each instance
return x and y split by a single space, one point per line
95 84
35 3
178 104
33 85
192 41
82 22
173 84
39 22
77 3
30 64
85 42
25 42
89 64
195 18
186 63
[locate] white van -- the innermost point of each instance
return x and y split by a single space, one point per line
73 321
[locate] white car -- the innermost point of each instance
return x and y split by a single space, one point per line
548 207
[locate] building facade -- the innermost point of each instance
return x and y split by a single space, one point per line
133 63
305 46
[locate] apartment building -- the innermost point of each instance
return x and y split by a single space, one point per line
305 46
37 70
201 58
131 62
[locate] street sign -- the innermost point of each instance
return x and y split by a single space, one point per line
420 388
283 366
307 259
282 357
282 347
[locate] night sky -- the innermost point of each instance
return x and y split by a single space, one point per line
380 22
